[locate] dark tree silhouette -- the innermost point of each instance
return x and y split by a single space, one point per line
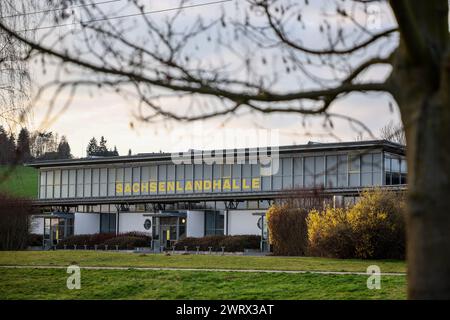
64 149
23 146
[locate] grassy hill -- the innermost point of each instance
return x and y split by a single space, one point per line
20 181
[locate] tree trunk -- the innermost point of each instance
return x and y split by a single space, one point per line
425 110
420 84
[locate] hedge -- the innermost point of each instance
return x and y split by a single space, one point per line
128 240
237 243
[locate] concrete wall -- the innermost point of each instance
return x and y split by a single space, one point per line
86 223
243 222
37 225
133 221
195 224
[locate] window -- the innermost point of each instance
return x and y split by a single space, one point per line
72 181
354 171
103 182
331 172
319 171
80 182
214 222
107 222
287 173
309 172
111 182
43 178
298 172
119 179
95 182
342 171
57 179
136 186
87 182
49 185
198 177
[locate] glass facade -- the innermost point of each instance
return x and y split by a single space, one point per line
329 170
395 169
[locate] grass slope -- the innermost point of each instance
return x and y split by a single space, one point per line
134 284
20 181
101 258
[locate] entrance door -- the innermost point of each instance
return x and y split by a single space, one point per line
168 235
56 229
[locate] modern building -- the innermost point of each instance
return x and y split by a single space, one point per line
204 193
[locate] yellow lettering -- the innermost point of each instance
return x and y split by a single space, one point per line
144 187
162 186
245 186
119 188
127 188
206 185
198 185
179 186
136 187
236 184
256 183
170 186
188 186
226 184
153 186
217 184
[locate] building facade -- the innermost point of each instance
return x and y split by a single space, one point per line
204 193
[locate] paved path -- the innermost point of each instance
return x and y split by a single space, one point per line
205 270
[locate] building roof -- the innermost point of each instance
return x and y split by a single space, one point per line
309 147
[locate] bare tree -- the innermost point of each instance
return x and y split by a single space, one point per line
393 132
14 72
260 58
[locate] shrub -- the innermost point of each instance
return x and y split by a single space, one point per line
374 228
329 234
34 240
287 230
235 243
86 239
127 242
15 220
239 243
378 225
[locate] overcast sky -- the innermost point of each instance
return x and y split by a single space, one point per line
108 115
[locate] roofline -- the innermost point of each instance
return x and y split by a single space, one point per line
384 144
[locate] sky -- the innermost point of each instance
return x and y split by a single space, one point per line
106 114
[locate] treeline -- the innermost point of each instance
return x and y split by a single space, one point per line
100 149
28 146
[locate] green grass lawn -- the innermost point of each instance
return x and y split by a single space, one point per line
32 283
101 258
135 284
20 181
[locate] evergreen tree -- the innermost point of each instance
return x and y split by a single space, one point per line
103 148
92 147
64 149
11 150
23 146
4 141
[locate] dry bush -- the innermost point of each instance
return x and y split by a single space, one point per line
287 230
15 220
